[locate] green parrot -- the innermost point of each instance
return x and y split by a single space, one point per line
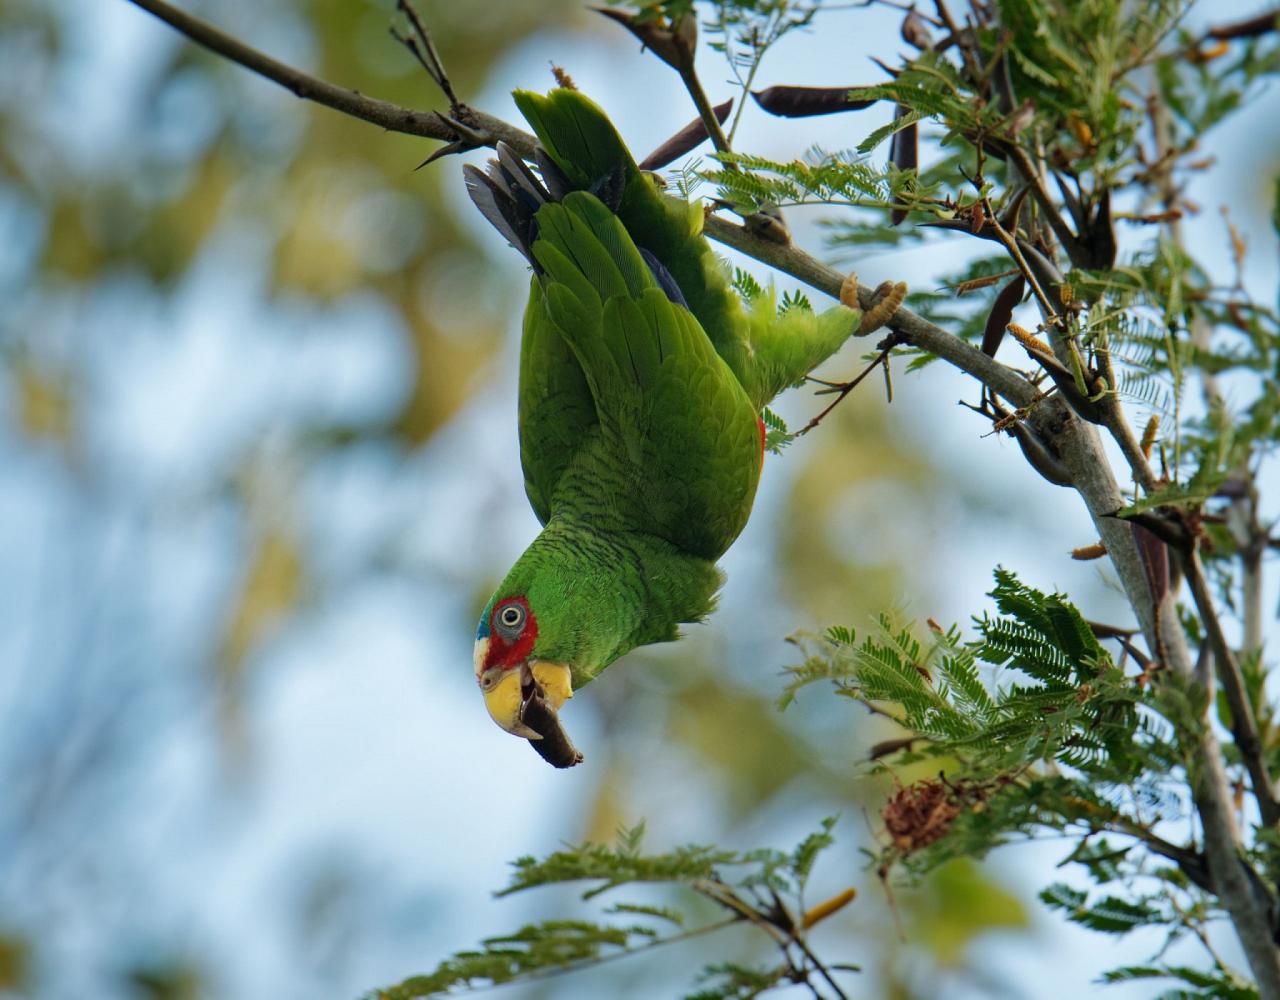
642 380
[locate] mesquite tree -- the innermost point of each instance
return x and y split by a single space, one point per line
1059 135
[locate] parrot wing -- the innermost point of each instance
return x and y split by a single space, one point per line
556 408
767 353
681 442
583 146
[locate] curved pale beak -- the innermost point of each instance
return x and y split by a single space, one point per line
504 698
507 693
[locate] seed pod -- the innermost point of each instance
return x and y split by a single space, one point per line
1001 312
889 296
555 747
1250 28
804 102
689 137
904 151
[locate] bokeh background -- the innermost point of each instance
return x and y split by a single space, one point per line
258 474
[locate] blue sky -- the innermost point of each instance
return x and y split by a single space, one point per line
369 755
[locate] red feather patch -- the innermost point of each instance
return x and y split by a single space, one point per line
506 653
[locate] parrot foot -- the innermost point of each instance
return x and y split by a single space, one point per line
536 712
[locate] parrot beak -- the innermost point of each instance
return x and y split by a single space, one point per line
524 701
503 694
505 701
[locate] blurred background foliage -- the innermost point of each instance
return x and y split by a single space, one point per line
259 474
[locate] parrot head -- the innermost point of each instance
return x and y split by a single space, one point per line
523 691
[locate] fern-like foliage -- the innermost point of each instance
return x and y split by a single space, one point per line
765 887
1058 696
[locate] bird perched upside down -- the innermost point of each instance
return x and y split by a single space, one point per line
642 380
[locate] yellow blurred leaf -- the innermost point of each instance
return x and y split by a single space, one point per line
315 254
45 408
271 590
958 903
15 962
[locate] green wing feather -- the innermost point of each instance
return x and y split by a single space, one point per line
556 409
681 448
766 352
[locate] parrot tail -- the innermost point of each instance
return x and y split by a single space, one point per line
577 135
509 194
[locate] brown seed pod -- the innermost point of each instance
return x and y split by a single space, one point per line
1001 312
689 137
889 296
804 102
904 151
555 747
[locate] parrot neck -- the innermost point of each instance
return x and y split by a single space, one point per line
598 594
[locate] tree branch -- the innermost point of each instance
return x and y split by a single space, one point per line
392 117
1244 730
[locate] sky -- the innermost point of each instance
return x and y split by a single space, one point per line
375 807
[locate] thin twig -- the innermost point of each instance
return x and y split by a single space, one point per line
428 56
392 117
842 389
705 111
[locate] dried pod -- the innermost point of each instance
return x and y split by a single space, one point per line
689 137
904 151
986 281
555 747
804 102
1251 27
1000 315
886 747
915 31
889 296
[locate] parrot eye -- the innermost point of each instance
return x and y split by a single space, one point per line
511 618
